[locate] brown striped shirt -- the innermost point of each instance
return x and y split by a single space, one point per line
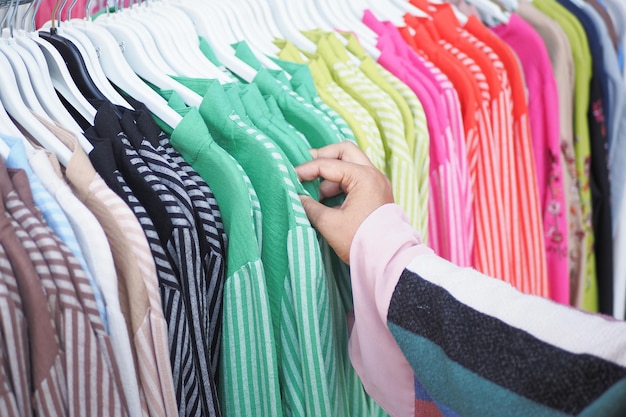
8 404
14 367
91 372
48 390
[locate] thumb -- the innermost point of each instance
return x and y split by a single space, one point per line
318 214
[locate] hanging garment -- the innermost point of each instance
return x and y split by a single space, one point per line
183 247
600 114
53 214
245 277
137 279
72 305
448 182
98 255
582 62
12 316
559 49
542 102
529 251
414 119
30 390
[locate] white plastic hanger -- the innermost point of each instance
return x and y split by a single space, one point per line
140 60
220 37
27 93
510 5
305 17
187 39
338 14
267 29
40 79
10 97
158 28
286 27
42 84
249 27
7 127
62 80
122 75
90 57
261 11
59 74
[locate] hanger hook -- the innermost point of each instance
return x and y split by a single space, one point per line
88 6
61 5
13 17
32 18
23 22
69 9
8 5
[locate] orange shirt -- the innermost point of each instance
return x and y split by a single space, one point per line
529 261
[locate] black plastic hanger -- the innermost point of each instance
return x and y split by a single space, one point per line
75 64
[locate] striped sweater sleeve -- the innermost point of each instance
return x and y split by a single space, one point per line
475 345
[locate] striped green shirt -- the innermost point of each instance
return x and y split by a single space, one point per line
244 388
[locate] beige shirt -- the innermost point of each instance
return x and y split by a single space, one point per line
137 281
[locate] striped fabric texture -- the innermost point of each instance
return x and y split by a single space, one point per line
87 348
520 354
8 403
308 362
98 256
361 124
529 269
258 392
52 213
399 165
174 310
416 137
14 375
135 269
536 370
211 282
45 390
183 248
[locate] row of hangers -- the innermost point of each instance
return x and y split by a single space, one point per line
80 58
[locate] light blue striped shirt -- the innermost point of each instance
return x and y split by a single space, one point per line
53 214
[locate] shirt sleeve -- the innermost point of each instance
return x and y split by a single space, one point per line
382 247
472 345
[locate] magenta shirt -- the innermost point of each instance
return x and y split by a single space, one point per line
543 110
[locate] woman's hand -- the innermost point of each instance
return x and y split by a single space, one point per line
343 168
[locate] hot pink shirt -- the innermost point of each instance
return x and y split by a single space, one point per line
543 110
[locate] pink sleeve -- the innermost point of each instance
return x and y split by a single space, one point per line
382 247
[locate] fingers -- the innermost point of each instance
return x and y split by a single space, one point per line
345 151
329 169
330 189
321 217
330 222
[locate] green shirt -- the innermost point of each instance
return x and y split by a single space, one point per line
248 379
303 84
315 125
